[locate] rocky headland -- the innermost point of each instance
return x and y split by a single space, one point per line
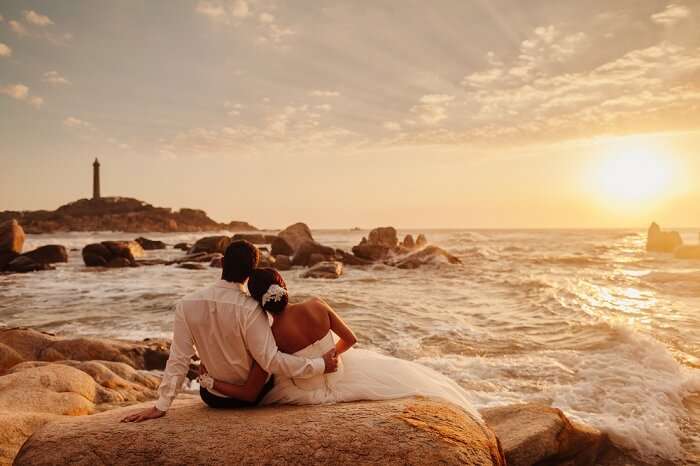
118 214
61 400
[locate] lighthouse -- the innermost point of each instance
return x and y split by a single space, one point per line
96 179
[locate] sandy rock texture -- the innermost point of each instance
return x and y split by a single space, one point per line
413 431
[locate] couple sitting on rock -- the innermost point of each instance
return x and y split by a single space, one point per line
246 362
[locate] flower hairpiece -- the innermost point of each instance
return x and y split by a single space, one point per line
274 293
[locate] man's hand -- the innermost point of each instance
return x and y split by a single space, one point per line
331 360
144 415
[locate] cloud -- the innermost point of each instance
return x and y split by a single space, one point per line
671 15
32 17
212 11
16 91
53 77
18 28
432 108
323 93
392 126
239 9
21 92
72 122
5 51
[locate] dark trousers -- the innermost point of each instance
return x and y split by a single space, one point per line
218 402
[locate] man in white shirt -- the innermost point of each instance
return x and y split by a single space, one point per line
229 330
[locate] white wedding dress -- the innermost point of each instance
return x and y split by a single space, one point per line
365 375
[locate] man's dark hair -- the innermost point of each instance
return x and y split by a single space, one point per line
240 259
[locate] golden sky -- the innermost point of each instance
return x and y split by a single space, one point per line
479 113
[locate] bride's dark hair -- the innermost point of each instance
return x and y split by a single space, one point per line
260 281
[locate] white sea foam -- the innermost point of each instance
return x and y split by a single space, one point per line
633 390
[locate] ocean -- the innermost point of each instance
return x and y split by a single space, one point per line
584 320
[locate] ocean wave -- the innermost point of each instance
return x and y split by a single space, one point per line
582 260
633 390
684 283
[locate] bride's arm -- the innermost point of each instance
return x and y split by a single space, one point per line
250 390
340 328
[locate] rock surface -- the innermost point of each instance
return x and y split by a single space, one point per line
307 249
24 264
49 254
11 237
532 434
118 214
427 255
255 238
112 254
283 262
149 244
211 244
326 269
384 236
688 252
662 241
408 431
19 345
295 235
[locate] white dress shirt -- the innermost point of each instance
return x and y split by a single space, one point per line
229 329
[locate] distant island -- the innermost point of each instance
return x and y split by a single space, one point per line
118 214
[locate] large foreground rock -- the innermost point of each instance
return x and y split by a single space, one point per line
19 345
210 244
662 241
412 431
294 235
11 237
532 434
112 254
35 393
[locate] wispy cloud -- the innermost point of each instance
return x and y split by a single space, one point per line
21 92
32 17
5 51
53 77
323 93
18 28
77 123
432 108
672 14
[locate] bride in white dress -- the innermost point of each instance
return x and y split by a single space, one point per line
307 329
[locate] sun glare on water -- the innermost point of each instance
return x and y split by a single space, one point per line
632 172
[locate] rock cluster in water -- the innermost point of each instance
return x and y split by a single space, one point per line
118 214
670 242
13 260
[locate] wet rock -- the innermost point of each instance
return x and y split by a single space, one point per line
307 249
384 236
281 247
237 225
217 262
191 266
408 242
49 254
11 237
421 241
662 241
96 255
211 244
255 238
371 252
688 252
24 264
428 255
149 244
112 254
197 257
295 235
350 259
429 432
183 246
327 269
267 261
6 258
533 434
283 262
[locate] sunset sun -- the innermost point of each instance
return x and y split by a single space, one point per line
633 171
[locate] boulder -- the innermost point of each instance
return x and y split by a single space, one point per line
662 241
371 252
326 269
198 257
127 249
112 254
350 259
237 225
267 260
11 237
281 247
283 262
149 244
255 238
35 393
295 235
24 264
533 434
421 241
183 246
96 255
211 244
317 258
408 242
384 236
49 254
688 252
305 250
19 345
217 262
427 255
406 431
